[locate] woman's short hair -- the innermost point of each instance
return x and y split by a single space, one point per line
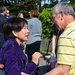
15 24
34 13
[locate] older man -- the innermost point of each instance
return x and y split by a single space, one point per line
64 17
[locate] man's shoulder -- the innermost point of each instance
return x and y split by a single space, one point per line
2 17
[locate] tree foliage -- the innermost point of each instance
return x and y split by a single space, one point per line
46 19
25 6
72 2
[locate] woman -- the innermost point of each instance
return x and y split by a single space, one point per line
14 58
20 15
34 38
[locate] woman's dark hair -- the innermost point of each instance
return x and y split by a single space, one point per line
15 24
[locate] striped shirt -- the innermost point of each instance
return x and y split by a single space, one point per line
66 47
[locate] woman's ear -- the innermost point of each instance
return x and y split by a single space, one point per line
14 33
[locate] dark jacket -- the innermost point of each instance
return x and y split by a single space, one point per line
2 37
15 59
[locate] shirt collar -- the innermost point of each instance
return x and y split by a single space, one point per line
70 24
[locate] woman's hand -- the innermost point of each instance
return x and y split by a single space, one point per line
22 73
1 66
36 56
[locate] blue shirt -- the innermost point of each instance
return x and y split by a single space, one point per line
9 16
15 59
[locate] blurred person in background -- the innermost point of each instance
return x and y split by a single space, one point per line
3 11
55 37
35 31
8 16
34 38
20 15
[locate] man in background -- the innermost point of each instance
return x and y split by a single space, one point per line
3 11
8 16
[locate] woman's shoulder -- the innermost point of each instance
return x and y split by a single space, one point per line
9 42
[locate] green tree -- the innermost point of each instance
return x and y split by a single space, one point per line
72 2
46 19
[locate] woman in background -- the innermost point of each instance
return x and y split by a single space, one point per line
20 15
35 31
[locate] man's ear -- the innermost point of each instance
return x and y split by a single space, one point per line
62 13
14 33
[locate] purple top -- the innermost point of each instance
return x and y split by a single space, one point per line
15 60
